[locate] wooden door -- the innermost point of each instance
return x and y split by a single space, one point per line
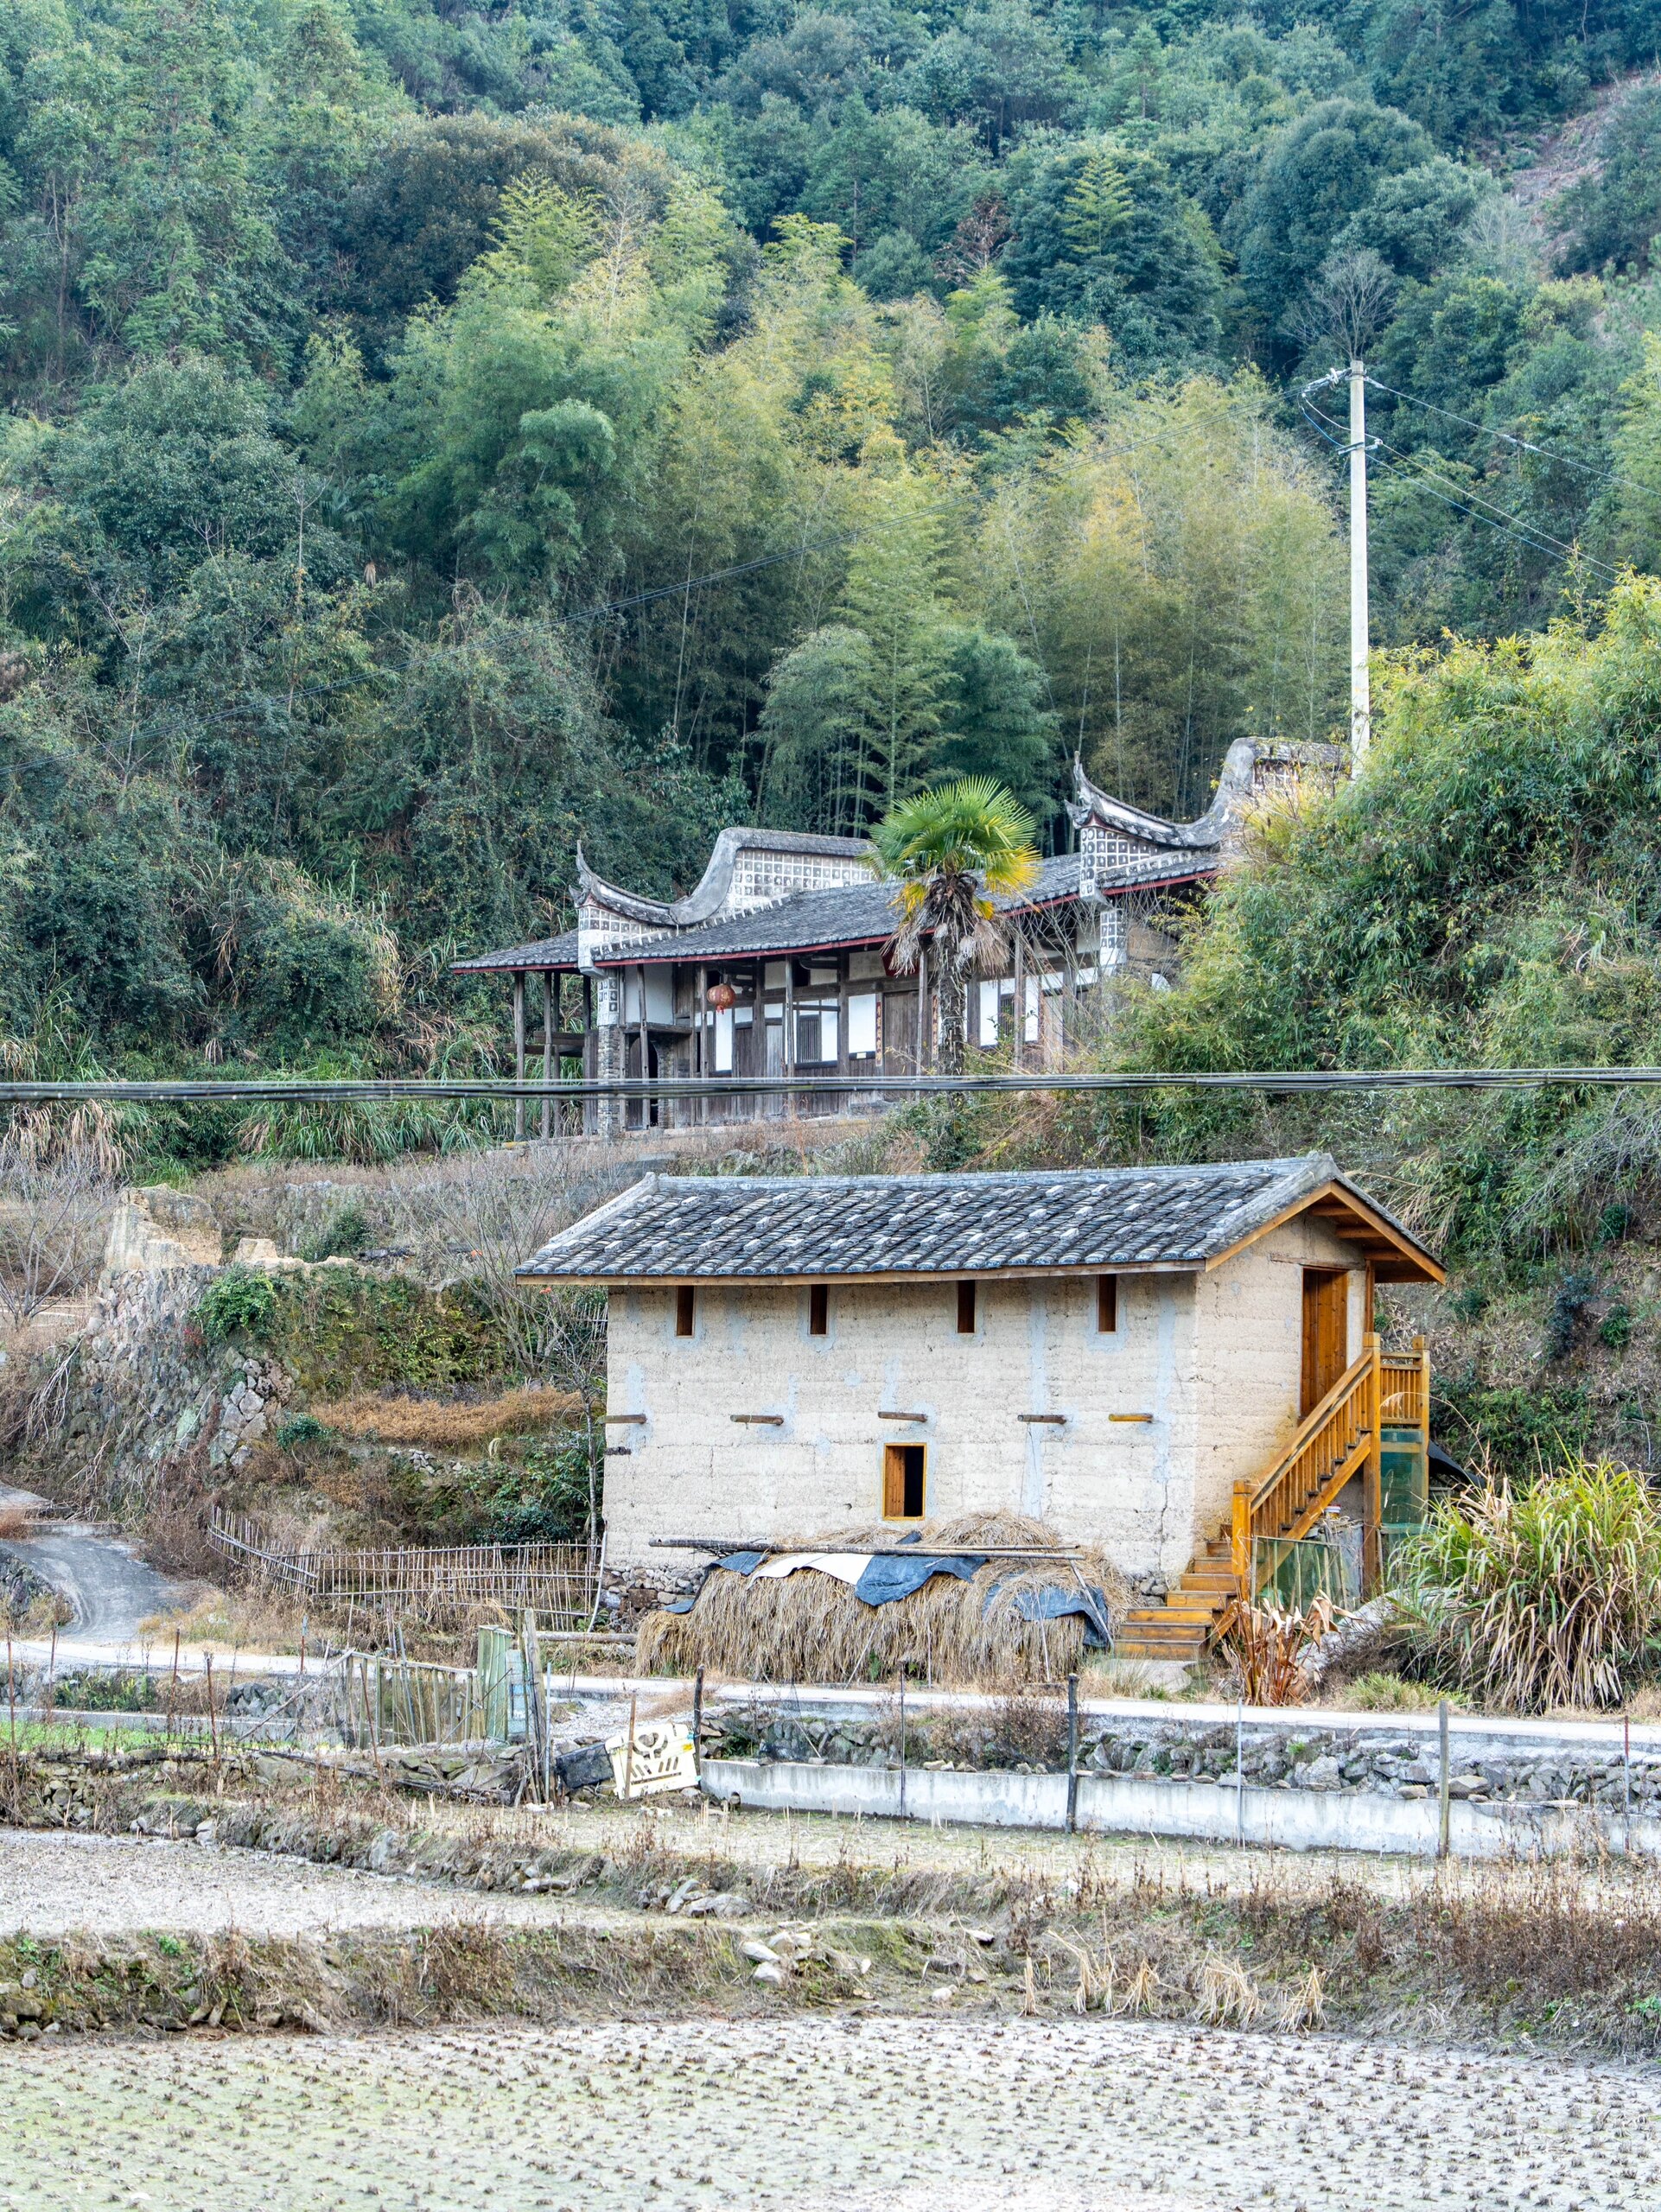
1326 1333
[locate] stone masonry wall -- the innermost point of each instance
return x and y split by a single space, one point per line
1368 1758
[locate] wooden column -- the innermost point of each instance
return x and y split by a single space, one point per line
845 1062
590 1120
702 1059
646 1055
547 1050
923 1039
518 1048
760 1105
790 1029
1372 1507
1021 998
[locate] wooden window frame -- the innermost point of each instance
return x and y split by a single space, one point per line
899 1468
685 1309
1107 1306
968 1306
818 1309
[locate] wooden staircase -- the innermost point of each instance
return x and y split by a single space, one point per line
1340 1439
1183 1624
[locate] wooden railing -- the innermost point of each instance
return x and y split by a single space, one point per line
1404 1388
1338 1440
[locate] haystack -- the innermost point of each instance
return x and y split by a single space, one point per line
809 1627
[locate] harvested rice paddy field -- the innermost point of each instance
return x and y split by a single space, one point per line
853 2114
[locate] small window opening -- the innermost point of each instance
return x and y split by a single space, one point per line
1107 1305
684 1308
818 1310
965 1309
902 1481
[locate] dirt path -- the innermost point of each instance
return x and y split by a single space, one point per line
907 2116
111 1589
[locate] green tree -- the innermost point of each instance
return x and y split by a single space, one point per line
954 851
1097 204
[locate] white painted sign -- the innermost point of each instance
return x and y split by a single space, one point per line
663 1756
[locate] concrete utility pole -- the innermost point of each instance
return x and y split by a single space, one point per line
1360 688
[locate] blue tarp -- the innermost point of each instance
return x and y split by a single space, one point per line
882 1581
739 1562
885 1580
1052 1603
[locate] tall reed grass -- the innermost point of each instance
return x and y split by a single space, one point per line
1544 1595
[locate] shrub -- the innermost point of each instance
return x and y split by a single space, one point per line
1573 1294
344 1236
242 1302
304 1428
1539 1597
1616 1327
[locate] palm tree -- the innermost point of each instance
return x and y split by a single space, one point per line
954 851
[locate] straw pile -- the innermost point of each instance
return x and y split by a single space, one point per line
808 1627
449 1425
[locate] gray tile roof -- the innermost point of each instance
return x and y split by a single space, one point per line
545 952
810 921
682 1228
813 921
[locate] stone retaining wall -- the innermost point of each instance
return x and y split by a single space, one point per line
1369 1758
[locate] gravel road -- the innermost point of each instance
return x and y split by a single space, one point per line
867 2115
114 1885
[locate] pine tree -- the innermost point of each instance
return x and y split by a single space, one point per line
1099 205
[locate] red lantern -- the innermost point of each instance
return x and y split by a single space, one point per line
722 997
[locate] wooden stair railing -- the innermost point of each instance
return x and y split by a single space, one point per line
1341 1438
1338 1439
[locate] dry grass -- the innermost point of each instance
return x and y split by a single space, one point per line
15 1521
1266 1646
446 1426
809 1627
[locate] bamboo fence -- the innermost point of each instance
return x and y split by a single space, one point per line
442 1584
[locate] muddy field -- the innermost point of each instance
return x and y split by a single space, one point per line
812 2114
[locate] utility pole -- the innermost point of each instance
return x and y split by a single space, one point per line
1360 688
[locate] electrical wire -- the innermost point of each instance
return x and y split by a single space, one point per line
1488 429
393 1091
1516 526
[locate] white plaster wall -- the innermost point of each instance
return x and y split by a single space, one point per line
691 1470
1213 1362
1249 1330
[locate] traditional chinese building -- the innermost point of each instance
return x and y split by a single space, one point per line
776 965
1176 1363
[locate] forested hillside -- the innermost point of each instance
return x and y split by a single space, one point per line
433 434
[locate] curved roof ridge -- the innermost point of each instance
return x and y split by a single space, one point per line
1091 803
705 900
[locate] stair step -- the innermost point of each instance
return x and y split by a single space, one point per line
1208 1578
1199 1617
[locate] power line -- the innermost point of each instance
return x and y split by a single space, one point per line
1541 544
1524 445
1527 533
394 1090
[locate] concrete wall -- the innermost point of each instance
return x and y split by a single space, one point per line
1296 1819
1208 1366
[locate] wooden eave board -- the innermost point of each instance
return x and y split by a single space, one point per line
891 1276
1395 1257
